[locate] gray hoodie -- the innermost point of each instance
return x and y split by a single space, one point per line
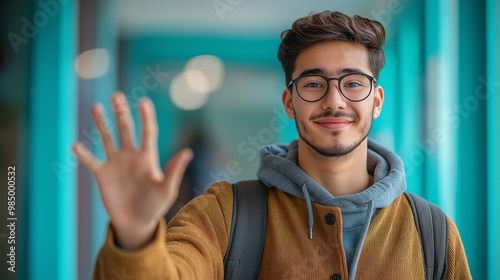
279 169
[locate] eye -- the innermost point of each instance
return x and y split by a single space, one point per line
353 84
313 85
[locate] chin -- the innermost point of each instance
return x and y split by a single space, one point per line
339 143
331 148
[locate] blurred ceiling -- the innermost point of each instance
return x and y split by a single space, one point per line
245 17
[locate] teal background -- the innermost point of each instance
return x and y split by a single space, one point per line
441 112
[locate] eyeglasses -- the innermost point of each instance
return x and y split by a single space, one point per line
353 86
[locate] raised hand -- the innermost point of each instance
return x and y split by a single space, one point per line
134 190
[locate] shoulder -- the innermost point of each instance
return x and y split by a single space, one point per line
214 206
452 230
458 267
217 197
220 190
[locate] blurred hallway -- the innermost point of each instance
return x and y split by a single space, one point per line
211 69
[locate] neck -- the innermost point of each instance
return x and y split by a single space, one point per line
338 175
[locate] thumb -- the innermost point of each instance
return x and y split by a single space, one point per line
174 172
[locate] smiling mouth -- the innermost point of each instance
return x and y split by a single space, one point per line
333 124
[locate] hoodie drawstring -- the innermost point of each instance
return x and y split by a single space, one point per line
357 253
309 210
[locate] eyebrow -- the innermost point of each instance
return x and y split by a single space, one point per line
319 71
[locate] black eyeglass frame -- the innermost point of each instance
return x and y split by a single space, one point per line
339 79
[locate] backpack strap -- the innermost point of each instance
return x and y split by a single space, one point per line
432 226
248 231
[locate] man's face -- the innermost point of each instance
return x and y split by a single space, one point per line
333 126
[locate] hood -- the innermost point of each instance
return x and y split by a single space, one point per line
279 169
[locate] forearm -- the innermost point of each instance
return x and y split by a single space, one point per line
192 247
148 262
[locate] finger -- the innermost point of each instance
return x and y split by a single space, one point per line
174 171
149 124
102 123
124 119
86 157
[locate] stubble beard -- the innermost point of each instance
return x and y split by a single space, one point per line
335 149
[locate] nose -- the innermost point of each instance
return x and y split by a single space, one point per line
334 99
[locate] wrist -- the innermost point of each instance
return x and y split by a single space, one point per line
134 237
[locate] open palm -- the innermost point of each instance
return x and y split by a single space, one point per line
135 191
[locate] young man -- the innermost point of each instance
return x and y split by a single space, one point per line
336 208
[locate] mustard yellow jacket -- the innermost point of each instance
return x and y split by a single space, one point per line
194 243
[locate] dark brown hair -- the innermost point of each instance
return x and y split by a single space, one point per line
332 26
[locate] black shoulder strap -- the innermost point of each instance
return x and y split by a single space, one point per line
432 226
248 231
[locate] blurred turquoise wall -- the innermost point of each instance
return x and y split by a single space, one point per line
441 115
493 136
50 209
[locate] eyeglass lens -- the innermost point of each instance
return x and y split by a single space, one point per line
355 87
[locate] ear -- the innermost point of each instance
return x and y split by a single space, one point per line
286 98
378 101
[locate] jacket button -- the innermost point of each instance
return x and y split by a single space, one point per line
336 277
330 219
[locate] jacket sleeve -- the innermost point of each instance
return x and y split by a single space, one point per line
191 246
458 268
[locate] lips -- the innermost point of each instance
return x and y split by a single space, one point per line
333 124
